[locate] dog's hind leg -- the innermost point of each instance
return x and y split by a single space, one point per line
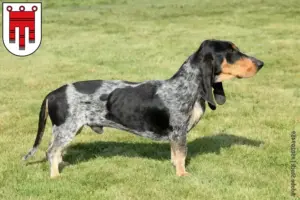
62 136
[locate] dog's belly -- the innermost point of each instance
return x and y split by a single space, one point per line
97 129
97 119
146 134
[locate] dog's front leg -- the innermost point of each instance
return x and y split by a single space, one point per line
178 153
173 161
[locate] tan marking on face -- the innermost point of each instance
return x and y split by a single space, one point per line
223 77
243 68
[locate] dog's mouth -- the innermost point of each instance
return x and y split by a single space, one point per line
222 77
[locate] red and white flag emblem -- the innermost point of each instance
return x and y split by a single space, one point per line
22 27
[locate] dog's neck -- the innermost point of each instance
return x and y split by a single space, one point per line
186 81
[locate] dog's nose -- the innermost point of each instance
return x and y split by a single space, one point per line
259 64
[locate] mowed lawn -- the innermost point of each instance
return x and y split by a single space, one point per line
239 151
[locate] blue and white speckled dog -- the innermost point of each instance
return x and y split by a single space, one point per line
157 109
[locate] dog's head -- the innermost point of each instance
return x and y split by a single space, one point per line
218 61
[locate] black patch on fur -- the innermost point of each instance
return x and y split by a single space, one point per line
58 105
206 77
139 108
129 82
86 102
219 93
87 87
103 97
232 57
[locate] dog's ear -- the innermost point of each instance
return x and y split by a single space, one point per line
207 79
219 93
205 61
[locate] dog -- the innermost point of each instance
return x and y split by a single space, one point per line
156 109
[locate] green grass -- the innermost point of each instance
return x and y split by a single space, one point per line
239 151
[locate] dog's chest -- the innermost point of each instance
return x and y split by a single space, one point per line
196 113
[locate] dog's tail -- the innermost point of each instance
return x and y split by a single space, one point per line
41 128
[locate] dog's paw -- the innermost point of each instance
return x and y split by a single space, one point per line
173 163
54 176
182 174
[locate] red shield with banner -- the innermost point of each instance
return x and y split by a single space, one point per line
22 27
